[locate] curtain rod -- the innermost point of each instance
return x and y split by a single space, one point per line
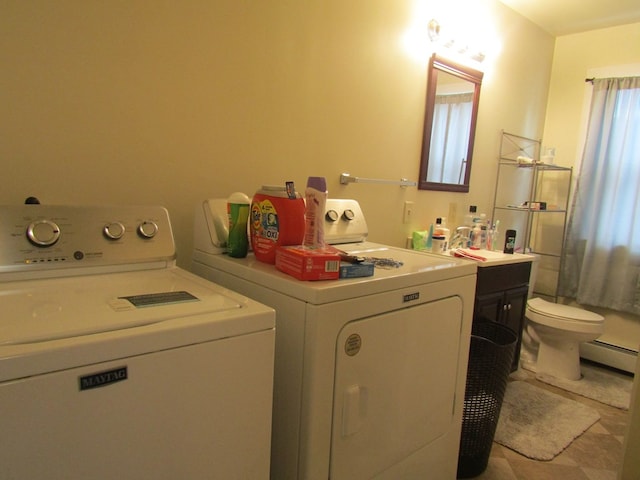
619 77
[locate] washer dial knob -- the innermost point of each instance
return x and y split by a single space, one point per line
348 214
114 230
43 233
332 215
147 229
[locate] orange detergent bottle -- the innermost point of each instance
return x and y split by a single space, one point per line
277 219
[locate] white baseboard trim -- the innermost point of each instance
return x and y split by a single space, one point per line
610 355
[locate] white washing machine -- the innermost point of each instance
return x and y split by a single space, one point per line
115 363
370 372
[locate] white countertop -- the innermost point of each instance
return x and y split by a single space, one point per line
490 258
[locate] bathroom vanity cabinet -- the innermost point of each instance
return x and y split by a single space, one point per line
501 296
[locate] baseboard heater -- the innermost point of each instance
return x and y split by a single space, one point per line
611 355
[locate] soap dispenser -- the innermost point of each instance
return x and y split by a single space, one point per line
469 218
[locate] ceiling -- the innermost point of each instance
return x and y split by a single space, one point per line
562 17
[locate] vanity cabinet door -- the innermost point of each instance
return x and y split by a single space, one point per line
515 304
501 296
489 307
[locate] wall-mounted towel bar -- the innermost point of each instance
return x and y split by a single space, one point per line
346 178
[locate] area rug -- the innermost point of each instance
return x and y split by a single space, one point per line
597 384
540 424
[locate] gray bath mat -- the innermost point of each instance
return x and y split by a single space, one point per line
597 384
540 424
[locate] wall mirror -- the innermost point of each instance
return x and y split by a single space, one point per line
453 94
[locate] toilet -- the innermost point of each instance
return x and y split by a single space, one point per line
558 330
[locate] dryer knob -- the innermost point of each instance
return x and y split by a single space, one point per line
114 230
332 215
147 229
43 233
348 214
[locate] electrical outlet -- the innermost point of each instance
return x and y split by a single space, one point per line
407 215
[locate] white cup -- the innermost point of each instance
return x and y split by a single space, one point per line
438 244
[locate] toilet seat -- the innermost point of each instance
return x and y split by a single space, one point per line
555 315
557 310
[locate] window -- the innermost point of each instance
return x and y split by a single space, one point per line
601 259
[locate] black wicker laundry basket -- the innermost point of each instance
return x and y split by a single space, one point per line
490 356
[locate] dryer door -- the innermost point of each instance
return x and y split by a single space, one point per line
394 387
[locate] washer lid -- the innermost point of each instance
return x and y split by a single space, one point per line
62 323
75 307
557 310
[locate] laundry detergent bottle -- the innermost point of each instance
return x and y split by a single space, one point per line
277 219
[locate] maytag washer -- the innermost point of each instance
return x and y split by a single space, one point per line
370 372
115 363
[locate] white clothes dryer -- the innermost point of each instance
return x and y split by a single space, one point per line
370 372
115 363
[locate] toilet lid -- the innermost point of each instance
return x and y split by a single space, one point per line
558 310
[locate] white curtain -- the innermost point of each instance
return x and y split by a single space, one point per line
450 138
601 259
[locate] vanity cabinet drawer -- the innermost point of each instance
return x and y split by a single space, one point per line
502 277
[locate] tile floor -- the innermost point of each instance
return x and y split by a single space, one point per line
595 455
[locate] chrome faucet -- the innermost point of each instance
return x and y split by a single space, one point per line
462 238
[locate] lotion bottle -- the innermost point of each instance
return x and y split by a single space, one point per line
316 199
441 232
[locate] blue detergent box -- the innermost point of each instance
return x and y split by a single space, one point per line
356 270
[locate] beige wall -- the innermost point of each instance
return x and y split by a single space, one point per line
575 57
169 103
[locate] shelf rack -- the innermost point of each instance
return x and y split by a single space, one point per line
533 198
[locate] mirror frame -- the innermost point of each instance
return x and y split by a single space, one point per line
440 64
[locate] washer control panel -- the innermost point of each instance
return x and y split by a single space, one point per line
344 222
49 237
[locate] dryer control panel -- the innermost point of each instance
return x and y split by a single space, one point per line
344 222
52 237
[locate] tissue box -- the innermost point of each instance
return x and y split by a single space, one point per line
309 264
356 270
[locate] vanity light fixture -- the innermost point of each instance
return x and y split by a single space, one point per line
433 28
454 45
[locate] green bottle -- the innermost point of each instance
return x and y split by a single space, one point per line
238 212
